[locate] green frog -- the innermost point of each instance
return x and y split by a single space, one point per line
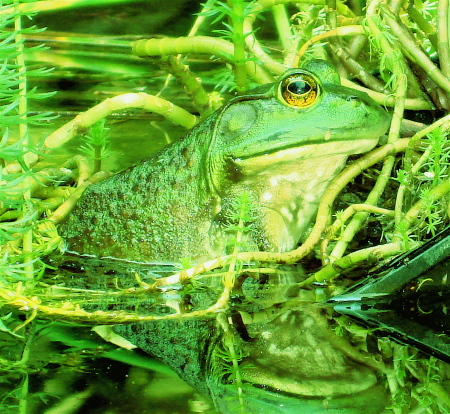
281 144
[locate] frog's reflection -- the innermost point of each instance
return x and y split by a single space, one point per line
273 349
287 357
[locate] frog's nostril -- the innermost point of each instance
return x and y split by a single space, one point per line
351 98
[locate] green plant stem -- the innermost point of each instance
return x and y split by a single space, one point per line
399 204
27 241
434 194
254 46
414 170
417 55
395 5
191 83
356 45
345 215
416 104
382 180
237 19
98 158
252 42
443 34
331 13
444 121
282 24
198 44
360 217
354 259
404 36
229 344
129 100
427 28
201 17
354 67
23 399
392 380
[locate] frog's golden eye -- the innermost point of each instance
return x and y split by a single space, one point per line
299 90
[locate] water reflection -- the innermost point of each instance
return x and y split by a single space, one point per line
273 350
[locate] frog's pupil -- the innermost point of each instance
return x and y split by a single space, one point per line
299 87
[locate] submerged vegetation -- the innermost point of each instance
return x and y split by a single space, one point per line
383 204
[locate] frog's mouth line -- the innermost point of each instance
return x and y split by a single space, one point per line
309 150
279 392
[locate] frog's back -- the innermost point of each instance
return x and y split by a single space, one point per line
136 214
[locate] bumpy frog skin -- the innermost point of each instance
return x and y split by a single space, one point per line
283 143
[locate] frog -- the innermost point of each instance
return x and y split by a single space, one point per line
280 144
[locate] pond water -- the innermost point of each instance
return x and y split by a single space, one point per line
130 141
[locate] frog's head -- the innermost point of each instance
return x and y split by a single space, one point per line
294 363
306 113
284 142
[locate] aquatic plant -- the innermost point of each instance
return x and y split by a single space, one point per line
96 144
21 235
